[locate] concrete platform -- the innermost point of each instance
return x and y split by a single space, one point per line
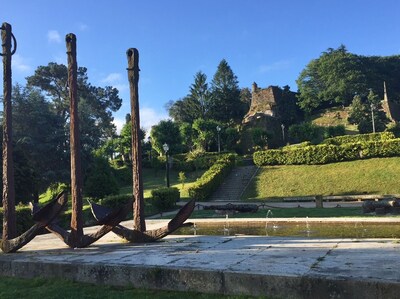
260 266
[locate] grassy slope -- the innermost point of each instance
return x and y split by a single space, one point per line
155 179
151 180
11 288
373 176
334 117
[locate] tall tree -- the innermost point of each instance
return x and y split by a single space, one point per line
195 104
124 141
334 78
200 93
225 105
205 133
245 98
96 104
368 113
39 138
184 110
331 80
166 131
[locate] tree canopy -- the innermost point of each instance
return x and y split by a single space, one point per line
337 75
362 110
41 127
225 104
96 104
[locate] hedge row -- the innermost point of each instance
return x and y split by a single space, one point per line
327 153
165 198
186 162
23 218
339 140
212 178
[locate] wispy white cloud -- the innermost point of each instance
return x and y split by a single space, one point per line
53 36
119 123
60 58
83 27
19 64
148 118
115 80
276 66
112 78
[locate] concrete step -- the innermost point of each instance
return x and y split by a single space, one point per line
235 184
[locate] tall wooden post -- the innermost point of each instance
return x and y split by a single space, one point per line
9 221
133 77
76 175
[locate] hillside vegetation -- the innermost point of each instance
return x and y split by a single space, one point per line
373 176
334 117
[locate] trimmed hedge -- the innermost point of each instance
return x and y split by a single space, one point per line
115 201
212 178
327 153
23 218
165 198
339 140
187 162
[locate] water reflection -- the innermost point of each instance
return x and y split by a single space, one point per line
303 228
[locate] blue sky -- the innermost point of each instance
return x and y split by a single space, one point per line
266 41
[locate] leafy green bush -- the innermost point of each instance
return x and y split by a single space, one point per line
100 180
212 178
395 129
333 131
382 136
23 218
306 132
165 198
297 145
123 175
328 153
194 161
115 201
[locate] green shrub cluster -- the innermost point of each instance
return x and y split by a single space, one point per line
315 134
115 201
194 161
100 180
328 153
123 175
212 178
339 140
165 198
23 217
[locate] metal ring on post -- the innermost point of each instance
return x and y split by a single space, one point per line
15 43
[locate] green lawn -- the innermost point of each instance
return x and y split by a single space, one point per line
11 288
151 180
373 176
154 179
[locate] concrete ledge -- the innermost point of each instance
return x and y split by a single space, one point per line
204 281
235 265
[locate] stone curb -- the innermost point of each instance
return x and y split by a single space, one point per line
204 281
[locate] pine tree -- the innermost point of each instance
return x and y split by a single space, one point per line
225 104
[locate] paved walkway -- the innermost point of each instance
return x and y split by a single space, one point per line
278 267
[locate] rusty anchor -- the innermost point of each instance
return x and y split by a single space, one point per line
139 233
42 216
76 238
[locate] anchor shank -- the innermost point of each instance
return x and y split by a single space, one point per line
76 174
9 218
133 77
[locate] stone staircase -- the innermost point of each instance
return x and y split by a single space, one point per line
235 184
